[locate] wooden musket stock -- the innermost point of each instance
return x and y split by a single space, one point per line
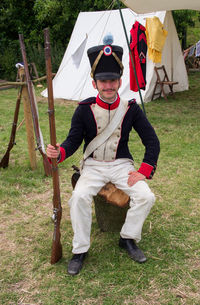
5 160
47 166
56 253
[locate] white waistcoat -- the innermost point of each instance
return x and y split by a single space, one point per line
107 151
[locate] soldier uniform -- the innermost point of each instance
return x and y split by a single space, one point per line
111 161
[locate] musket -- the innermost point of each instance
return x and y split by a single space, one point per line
47 165
56 253
5 160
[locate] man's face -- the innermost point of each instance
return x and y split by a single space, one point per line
107 88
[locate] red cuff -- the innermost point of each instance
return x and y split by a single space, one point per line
146 170
62 155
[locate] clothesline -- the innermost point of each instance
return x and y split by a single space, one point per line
193 50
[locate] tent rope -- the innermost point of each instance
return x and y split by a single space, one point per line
109 8
123 24
122 19
88 74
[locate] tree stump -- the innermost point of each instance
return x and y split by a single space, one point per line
111 205
110 218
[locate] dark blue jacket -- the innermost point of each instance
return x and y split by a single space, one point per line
83 127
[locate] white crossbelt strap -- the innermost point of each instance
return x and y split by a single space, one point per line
106 133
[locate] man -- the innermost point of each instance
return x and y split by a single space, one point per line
110 160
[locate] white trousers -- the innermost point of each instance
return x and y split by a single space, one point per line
94 176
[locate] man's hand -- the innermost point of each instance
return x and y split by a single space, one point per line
134 177
53 152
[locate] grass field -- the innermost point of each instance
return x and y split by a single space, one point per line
170 234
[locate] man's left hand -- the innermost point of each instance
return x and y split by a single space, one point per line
134 177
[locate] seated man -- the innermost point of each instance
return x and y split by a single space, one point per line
108 160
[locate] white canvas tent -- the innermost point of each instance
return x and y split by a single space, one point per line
147 6
73 81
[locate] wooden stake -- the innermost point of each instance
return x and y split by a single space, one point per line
29 123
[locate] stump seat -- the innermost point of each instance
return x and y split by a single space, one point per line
111 205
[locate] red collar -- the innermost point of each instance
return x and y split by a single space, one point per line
107 105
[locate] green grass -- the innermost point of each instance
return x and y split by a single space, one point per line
170 234
193 33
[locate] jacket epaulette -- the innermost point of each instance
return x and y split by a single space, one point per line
89 101
133 101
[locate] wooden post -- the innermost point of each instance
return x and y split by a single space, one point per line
28 122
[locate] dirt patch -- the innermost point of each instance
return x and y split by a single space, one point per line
60 101
186 293
39 206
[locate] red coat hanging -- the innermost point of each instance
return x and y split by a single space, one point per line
138 47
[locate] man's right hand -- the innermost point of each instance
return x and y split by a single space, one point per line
53 152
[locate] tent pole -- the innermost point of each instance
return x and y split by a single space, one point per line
122 19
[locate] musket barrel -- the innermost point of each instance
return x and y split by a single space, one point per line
56 253
46 164
5 160
50 88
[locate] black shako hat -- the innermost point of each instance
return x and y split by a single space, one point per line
106 62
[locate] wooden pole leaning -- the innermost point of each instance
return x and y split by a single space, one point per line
46 164
28 122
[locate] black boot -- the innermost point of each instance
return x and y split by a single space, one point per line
134 252
76 263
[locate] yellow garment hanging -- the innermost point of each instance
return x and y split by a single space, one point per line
156 36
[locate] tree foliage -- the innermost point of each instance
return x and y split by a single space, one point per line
30 17
15 16
183 19
60 16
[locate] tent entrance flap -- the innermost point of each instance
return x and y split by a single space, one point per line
78 54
